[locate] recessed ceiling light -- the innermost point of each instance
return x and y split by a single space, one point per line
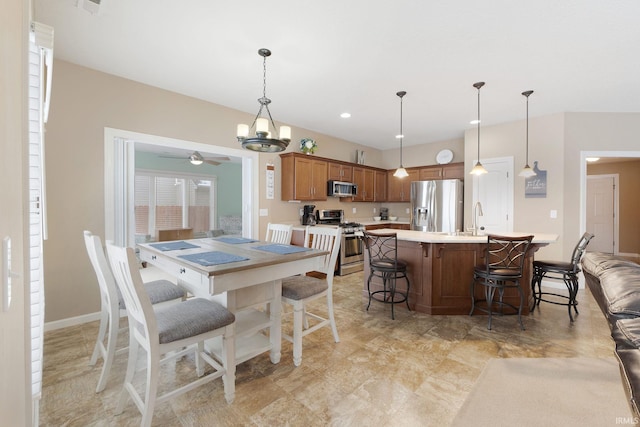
399 136
475 122
593 159
345 115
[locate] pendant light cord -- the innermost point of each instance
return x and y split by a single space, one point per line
401 134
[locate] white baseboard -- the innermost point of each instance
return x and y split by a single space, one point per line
559 284
71 321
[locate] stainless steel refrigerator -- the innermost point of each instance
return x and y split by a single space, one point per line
437 206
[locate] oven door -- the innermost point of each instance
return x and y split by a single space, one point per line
352 249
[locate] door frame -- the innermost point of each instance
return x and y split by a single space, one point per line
616 207
119 173
583 178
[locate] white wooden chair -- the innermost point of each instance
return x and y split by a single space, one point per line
113 306
299 290
279 233
173 331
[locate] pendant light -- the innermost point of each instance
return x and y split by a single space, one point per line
478 169
401 172
527 172
262 141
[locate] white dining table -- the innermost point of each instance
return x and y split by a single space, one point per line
250 278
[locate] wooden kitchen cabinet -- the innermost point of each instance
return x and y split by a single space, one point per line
399 189
339 172
380 186
303 177
450 171
364 178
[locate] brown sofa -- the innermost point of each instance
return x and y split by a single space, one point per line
615 284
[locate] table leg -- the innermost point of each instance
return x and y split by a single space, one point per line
275 331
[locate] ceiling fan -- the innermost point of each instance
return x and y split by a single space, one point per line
196 159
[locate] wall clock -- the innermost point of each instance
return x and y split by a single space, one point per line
444 156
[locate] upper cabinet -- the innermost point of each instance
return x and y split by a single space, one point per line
303 177
380 186
340 172
450 171
399 189
364 178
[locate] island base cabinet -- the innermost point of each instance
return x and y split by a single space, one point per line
441 274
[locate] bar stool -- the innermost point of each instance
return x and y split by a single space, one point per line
502 269
382 249
560 270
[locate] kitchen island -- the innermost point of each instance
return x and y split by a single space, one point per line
440 269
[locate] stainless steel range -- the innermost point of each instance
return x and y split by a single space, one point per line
351 257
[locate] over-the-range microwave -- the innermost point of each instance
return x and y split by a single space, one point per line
341 189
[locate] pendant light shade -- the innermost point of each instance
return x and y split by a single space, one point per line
526 171
401 172
262 140
478 169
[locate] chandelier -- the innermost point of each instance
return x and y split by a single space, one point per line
262 140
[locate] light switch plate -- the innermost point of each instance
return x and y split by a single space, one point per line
553 213
264 212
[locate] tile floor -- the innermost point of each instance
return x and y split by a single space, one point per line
414 371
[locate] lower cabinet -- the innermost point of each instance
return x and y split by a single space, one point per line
441 274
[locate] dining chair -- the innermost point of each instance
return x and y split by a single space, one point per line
112 306
560 270
298 291
172 331
503 267
279 233
382 250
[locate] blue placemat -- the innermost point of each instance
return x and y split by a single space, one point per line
234 240
173 246
212 258
277 248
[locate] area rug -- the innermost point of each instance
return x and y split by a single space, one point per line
547 392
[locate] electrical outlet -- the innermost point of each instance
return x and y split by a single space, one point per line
301 212
374 210
354 210
553 214
264 212
407 210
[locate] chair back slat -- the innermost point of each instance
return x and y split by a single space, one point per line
325 239
279 233
578 251
124 266
382 247
506 253
109 292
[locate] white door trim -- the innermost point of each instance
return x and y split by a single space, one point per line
118 216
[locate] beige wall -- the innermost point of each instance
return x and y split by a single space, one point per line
556 142
629 203
84 102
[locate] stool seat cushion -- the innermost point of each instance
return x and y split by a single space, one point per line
553 265
388 265
190 318
481 270
301 287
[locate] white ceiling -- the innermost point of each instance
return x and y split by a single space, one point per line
334 56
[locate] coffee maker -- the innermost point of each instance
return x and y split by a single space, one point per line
384 213
308 215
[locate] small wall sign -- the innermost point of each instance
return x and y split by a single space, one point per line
536 186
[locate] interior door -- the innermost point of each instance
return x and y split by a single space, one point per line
494 191
601 212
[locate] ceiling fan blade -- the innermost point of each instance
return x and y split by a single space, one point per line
211 162
172 157
218 158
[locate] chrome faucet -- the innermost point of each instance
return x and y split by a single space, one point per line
477 212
